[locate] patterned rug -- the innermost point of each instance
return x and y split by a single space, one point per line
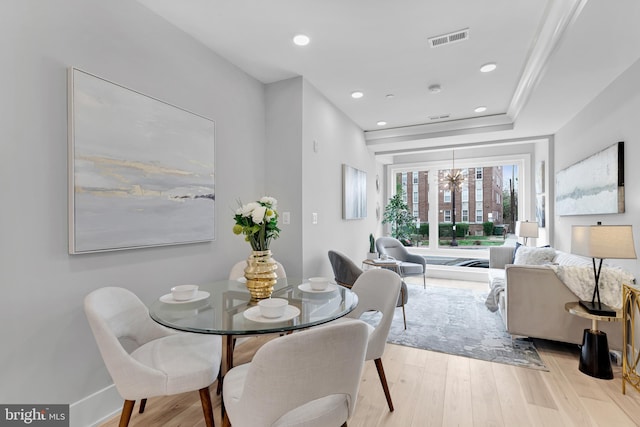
456 321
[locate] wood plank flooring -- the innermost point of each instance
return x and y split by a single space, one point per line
436 389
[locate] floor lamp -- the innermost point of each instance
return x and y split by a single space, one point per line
526 229
601 241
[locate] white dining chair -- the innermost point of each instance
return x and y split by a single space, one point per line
309 379
237 271
164 361
377 290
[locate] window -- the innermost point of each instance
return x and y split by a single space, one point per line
465 215
465 193
447 216
416 211
415 177
404 179
414 197
478 194
447 196
479 217
478 174
498 198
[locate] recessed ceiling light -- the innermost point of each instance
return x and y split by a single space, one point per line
435 89
487 68
381 123
389 96
480 109
357 94
301 40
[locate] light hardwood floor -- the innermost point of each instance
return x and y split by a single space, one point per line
436 389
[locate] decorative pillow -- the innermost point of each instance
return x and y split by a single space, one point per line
515 251
518 245
534 256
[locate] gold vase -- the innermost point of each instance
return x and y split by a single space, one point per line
260 274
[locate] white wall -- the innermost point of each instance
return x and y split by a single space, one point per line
611 117
283 161
48 354
339 141
307 177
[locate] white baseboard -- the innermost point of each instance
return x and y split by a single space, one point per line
95 408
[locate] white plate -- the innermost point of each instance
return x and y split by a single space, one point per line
290 312
200 295
306 287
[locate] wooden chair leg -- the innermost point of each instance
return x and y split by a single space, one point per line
383 381
143 404
404 316
127 410
207 409
219 386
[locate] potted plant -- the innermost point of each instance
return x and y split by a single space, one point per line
397 214
372 248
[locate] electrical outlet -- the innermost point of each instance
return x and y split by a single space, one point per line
315 218
286 218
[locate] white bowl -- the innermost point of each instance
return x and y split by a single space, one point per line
272 307
184 292
319 283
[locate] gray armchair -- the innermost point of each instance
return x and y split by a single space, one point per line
346 272
410 264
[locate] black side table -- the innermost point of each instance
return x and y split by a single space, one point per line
594 356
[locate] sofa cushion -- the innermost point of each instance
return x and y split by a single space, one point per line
534 256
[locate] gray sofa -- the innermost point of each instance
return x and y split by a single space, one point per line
531 300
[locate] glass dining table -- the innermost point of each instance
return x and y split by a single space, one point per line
225 308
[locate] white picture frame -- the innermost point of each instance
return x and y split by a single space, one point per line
594 185
354 193
141 171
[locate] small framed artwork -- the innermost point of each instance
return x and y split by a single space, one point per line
354 193
540 177
540 207
141 171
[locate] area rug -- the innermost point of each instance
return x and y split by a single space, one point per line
456 321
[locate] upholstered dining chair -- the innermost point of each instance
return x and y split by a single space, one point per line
410 264
309 378
164 362
346 272
237 271
377 290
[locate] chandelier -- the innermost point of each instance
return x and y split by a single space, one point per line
454 179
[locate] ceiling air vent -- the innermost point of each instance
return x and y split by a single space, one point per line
457 36
443 116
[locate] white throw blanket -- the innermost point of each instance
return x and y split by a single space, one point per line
494 297
580 280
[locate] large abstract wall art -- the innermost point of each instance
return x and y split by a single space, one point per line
594 185
141 171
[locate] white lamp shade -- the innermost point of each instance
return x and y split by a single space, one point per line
526 229
603 241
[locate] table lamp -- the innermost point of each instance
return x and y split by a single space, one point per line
601 241
526 229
